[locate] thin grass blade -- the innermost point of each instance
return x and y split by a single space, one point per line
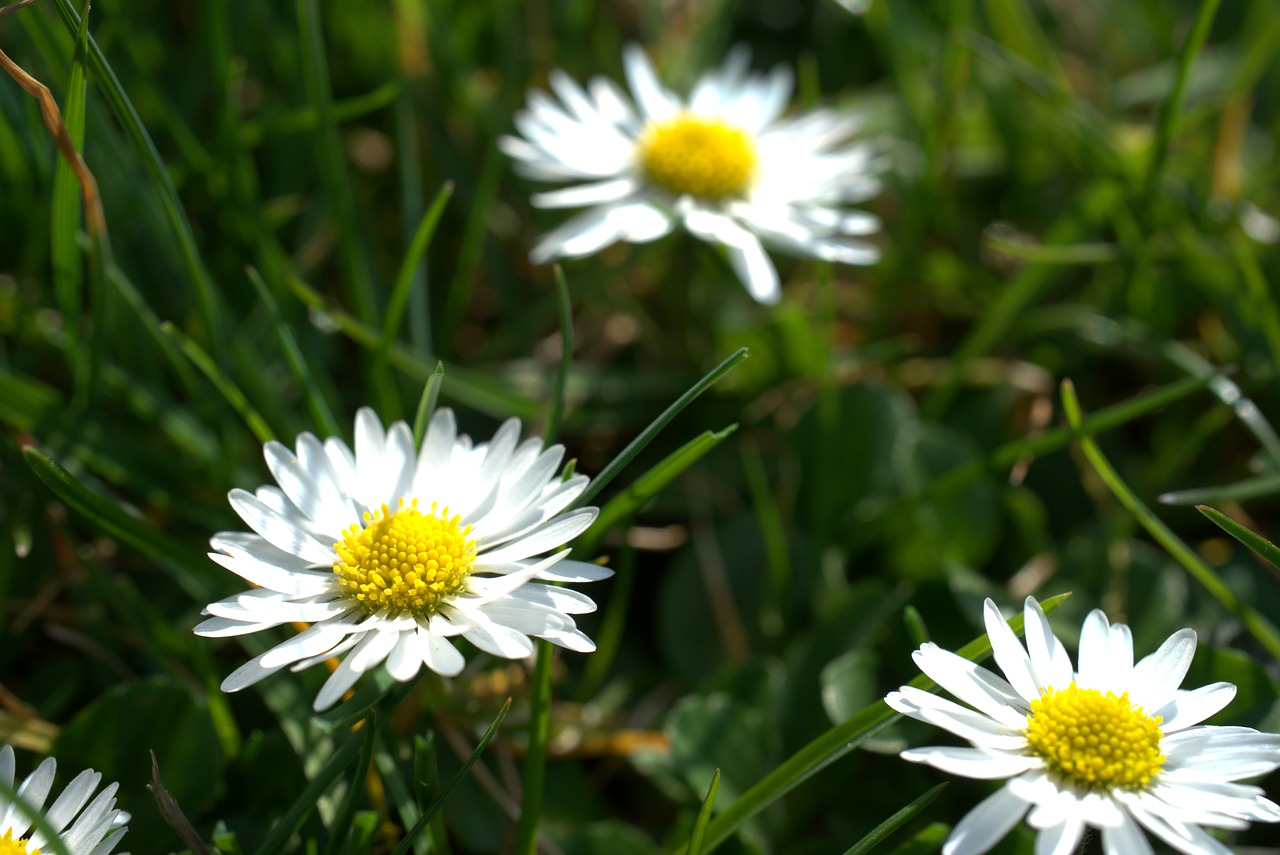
1251 539
893 823
221 382
704 816
302 807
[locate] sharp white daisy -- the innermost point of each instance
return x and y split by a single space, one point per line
389 552
1112 745
86 824
722 163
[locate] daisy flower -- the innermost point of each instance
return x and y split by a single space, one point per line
1112 745
722 163
391 551
86 826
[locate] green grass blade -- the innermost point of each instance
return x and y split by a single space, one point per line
832 745
409 271
189 566
534 778
463 386
340 828
1169 114
302 807
64 249
565 307
427 404
431 811
207 297
316 403
333 165
221 382
472 246
648 485
1258 626
893 823
1251 539
646 436
704 817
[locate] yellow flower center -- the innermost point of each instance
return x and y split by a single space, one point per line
11 846
404 561
1096 740
701 157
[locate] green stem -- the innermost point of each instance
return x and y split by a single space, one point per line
535 761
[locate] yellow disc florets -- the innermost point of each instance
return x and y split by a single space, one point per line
9 845
1096 740
700 157
405 561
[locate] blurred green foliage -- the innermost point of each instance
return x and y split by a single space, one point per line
1070 195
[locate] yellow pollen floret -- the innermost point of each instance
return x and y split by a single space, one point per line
1096 740
11 846
404 561
700 157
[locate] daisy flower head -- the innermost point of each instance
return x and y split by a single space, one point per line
391 551
1110 744
87 824
723 163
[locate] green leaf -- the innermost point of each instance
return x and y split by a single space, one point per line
832 745
421 824
1251 539
646 436
893 823
189 567
704 816
849 684
114 733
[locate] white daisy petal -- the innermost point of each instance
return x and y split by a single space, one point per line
654 101
1009 653
1119 748
390 551
985 825
1193 707
1159 675
87 824
1049 660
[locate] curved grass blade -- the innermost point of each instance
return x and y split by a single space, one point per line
704 817
435 806
221 382
646 436
565 307
834 744
1251 539
893 823
188 566
1258 626
302 807
64 248
316 403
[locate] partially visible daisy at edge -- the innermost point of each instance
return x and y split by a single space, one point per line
390 552
86 824
1112 745
723 163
